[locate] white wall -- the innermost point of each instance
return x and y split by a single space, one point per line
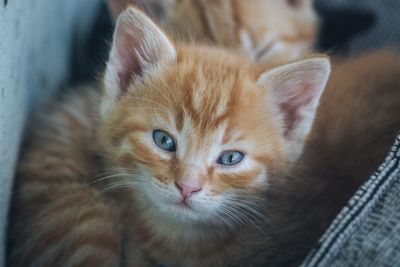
35 42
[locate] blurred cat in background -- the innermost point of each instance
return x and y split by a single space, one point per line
265 31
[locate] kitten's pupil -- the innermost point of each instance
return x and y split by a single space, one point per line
164 140
230 158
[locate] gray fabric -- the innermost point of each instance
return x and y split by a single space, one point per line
367 231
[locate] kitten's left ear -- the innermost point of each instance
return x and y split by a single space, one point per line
139 50
294 91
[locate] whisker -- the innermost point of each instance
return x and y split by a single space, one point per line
247 213
150 101
162 93
117 186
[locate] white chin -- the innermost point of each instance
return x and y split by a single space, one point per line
184 212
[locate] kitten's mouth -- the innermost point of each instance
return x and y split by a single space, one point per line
184 205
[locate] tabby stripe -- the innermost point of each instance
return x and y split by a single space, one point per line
69 231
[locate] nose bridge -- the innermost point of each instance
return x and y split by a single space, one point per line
191 175
189 180
193 162
192 169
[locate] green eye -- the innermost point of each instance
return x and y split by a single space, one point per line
164 140
230 158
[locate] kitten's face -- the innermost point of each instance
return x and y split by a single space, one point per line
199 132
200 125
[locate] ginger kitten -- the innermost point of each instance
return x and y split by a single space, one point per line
201 157
265 31
191 133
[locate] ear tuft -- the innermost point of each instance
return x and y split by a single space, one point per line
294 92
139 47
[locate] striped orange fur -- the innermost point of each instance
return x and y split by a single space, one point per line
183 207
58 219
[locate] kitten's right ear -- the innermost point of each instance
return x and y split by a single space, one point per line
139 49
294 92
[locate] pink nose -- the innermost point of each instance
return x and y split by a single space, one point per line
187 191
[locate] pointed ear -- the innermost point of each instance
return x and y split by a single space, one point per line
139 49
294 93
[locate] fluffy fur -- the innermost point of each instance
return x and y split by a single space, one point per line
210 101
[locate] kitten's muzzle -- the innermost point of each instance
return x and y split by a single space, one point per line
187 190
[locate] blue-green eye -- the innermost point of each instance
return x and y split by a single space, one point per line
164 140
229 158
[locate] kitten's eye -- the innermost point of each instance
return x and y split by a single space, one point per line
229 158
164 140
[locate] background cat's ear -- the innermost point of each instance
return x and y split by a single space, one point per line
294 91
138 50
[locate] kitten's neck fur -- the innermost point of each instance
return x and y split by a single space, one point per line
175 243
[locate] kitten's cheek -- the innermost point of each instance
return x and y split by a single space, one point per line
205 204
162 194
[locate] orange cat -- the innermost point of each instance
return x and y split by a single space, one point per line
265 31
192 132
201 149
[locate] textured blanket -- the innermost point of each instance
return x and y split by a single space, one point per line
367 231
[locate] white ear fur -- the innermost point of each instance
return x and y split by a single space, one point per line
294 92
139 49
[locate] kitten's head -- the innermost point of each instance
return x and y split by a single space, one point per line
265 31
199 132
